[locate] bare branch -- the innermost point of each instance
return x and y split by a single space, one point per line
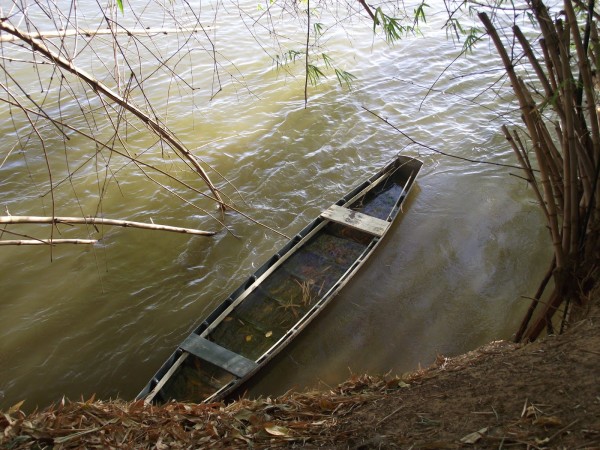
150 32
11 220
47 241
101 88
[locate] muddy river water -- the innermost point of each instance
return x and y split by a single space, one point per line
451 275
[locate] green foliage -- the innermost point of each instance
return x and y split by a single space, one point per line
314 74
419 13
472 37
453 25
327 60
531 18
318 29
288 57
344 78
392 26
120 5
549 101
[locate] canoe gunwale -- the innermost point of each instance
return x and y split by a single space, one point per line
214 319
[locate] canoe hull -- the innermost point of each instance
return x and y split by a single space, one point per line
280 299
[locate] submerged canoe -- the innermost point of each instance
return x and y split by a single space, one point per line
270 308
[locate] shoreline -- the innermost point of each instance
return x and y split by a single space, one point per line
537 395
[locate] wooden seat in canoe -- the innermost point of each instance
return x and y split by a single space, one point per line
356 220
222 357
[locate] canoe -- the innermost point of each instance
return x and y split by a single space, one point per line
280 299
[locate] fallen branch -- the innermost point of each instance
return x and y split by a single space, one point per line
47 241
99 32
12 220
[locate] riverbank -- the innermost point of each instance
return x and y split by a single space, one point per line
540 395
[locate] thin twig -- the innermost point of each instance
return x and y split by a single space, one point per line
477 161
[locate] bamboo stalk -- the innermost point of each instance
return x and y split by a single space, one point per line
568 148
551 41
101 88
586 74
534 331
537 67
589 161
12 220
568 174
530 120
535 301
549 65
555 159
47 241
544 148
527 168
86 32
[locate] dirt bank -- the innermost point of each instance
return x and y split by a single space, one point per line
541 395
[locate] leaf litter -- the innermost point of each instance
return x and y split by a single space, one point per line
537 396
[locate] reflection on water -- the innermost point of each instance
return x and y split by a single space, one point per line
450 276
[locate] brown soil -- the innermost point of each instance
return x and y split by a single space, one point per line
541 395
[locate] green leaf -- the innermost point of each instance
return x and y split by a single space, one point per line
120 5
392 26
327 60
420 12
471 39
344 78
314 74
318 29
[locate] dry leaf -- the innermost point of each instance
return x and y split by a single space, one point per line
243 414
16 407
472 438
326 404
136 406
277 430
268 334
551 421
248 338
